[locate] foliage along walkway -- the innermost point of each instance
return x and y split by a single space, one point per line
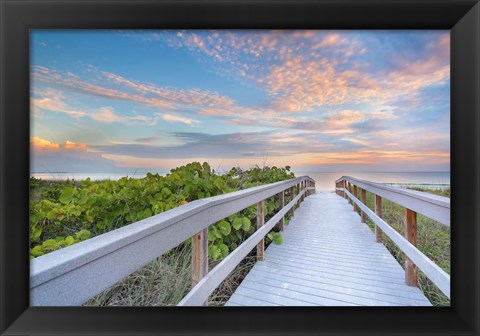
328 258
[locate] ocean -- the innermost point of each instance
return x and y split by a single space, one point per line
324 181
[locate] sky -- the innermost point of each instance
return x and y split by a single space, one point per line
316 100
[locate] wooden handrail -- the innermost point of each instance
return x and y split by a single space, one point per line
74 274
428 204
432 206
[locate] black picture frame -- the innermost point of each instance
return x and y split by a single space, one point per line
462 17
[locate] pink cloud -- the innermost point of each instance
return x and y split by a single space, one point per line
53 100
41 145
290 66
146 94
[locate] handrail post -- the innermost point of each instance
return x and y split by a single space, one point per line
350 190
378 212
355 206
260 222
199 257
292 195
281 223
411 273
344 187
298 192
364 201
304 187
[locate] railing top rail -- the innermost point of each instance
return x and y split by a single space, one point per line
433 206
436 199
162 228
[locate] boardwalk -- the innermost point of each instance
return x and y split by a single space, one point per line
328 258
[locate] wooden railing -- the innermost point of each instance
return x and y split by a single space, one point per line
72 275
429 205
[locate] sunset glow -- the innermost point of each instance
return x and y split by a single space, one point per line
113 101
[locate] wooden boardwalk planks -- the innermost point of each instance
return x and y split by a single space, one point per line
328 258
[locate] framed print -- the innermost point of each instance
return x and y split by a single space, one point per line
185 167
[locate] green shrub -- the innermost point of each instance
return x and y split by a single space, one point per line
66 212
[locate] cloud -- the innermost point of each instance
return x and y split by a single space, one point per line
304 70
300 71
176 118
48 156
40 143
148 140
324 99
54 100
73 145
145 94
297 68
107 115
229 145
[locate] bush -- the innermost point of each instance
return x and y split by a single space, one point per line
64 213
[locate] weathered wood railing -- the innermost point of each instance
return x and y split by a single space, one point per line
429 205
72 275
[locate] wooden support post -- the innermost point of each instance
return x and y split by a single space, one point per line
355 206
411 273
304 186
292 196
344 186
350 190
281 223
364 201
260 222
378 212
298 192
199 257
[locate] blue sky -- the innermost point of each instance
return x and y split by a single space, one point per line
119 101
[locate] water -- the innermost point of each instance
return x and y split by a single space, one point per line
324 181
